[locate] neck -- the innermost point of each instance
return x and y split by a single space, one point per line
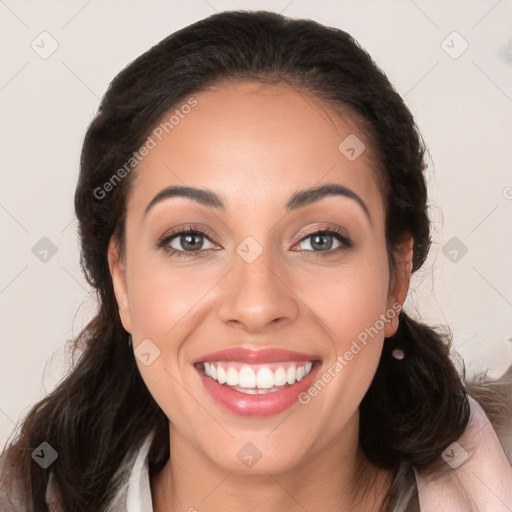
336 477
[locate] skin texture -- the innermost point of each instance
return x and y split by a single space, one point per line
255 145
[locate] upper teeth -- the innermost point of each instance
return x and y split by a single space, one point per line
256 376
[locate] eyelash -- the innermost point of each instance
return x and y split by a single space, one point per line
163 242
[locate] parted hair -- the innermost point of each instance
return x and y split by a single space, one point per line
101 412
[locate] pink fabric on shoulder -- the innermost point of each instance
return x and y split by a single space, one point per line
477 476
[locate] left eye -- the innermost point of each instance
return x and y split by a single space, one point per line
321 240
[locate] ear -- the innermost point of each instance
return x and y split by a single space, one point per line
118 274
399 284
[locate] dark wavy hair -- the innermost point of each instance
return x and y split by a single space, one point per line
101 412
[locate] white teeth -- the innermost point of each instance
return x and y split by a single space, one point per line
232 377
247 378
280 377
221 375
263 378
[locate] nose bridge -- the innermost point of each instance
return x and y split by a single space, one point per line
256 293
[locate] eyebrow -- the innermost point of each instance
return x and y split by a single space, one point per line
299 199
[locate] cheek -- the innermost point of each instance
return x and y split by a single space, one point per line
168 302
350 298
162 305
161 296
350 304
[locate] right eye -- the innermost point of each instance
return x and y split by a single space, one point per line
185 242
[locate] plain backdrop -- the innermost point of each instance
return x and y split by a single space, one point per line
451 60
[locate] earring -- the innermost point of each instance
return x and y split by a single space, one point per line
398 354
130 343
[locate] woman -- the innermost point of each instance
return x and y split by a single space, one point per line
251 206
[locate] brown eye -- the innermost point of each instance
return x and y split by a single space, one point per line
188 241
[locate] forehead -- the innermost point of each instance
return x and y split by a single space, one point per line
267 139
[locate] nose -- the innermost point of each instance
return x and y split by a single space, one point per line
257 296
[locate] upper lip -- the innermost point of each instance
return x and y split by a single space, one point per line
255 356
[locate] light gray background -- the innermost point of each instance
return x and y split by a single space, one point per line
462 105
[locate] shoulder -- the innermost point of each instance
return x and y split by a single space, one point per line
132 483
14 493
475 472
11 492
494 406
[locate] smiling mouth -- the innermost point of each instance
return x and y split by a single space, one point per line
256 379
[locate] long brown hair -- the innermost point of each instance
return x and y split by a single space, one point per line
100 414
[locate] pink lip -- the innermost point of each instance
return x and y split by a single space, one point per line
255 356
268 404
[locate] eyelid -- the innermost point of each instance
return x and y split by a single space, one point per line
325 227
186 228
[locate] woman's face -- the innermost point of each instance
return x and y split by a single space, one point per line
258 278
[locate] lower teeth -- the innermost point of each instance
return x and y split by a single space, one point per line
257 391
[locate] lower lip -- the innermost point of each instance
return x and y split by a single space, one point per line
268 404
